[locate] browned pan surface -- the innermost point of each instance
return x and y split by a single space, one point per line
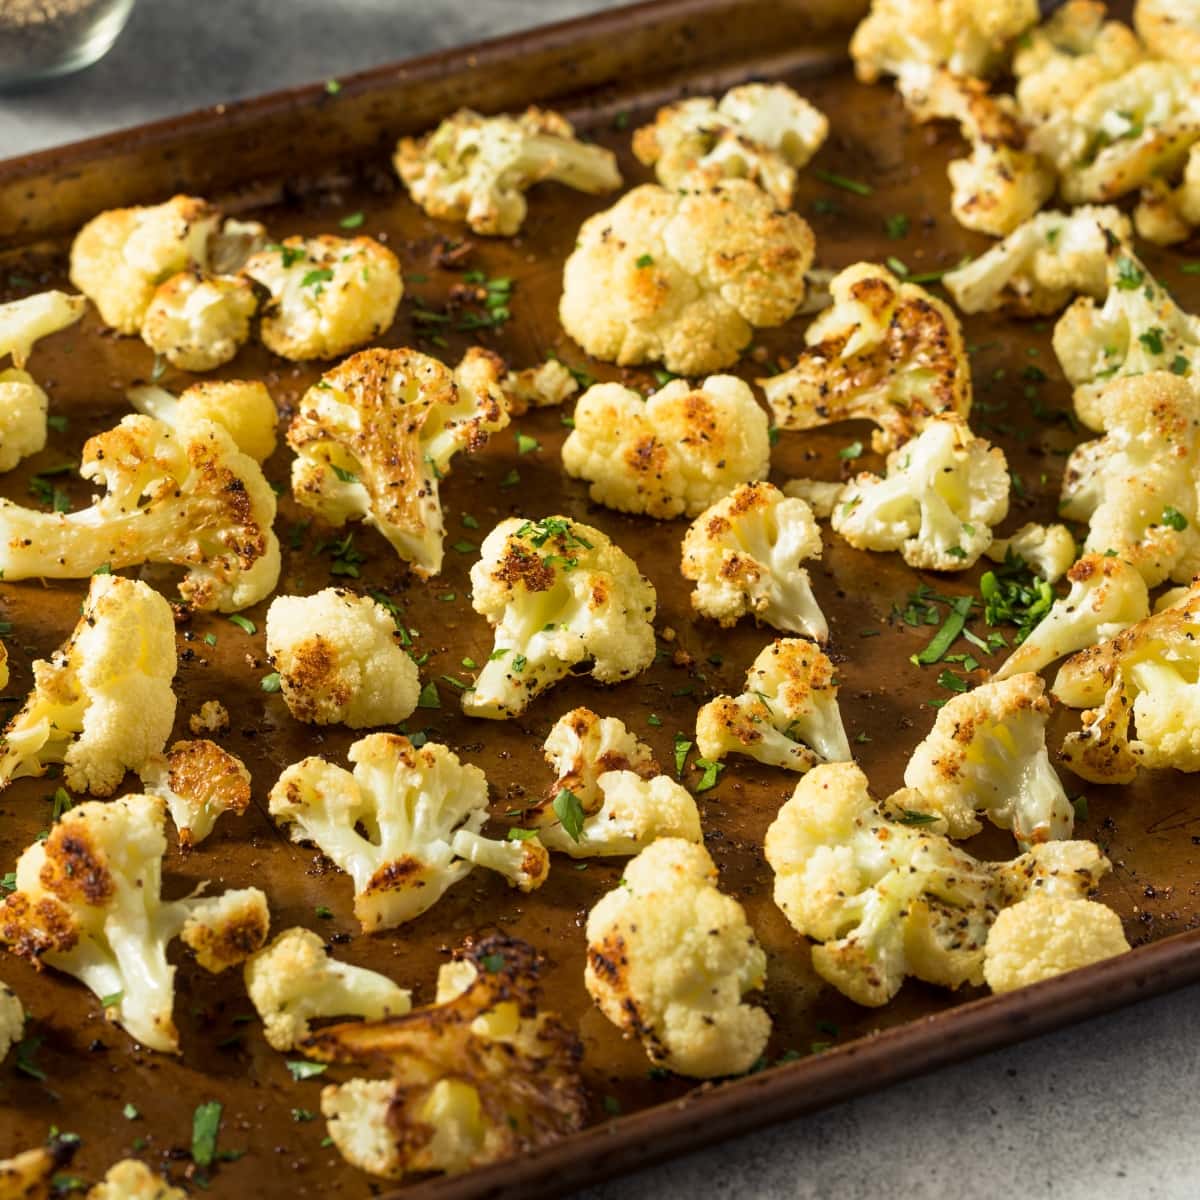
1151 831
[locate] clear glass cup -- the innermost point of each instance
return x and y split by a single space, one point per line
40 39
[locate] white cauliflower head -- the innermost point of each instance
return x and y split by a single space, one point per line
294 981
582 746
670 959
744 555
943 492
788 716
243 407
198 781
1048 550
340 659
1136 486
558 594
395 825
987 754
884 351
885 897
187 497
1045 936
25 322
684 277
198 321
820 495
1107 596
88 902
374 435
102 704
673 454
759 131
12 1020
477 169
1043 264
328 295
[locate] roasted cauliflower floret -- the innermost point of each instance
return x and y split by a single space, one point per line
582 746
88 902
820 496
340 659
788 716
744 555
1061 60
329 295
375 434
1045 936
885 899
544 386
477 169
759 131
1048 550
558 594
131 1179
670 959
943 492
198 781
967 38
120 257
885 351
1170 28
198 321
1165 214
684 277
394 824
12 1021
102 704
1043 264
987 754
244 408
23 323
187 497
1150 674
1136 486
29 1175
293 980
480 1076
673 454
1107 596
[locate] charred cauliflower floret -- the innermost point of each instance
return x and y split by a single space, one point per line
673 454
582 746
1147 674
294 981
340 659
12 1022
88 902
885 351
102 704
1136 487
1048 550
684 277
375 434
187 497
477 169
559 594
670 959
480 1076
788 716
885 898
404 825
1107 596
23 404
198 321
941 496
329 295
987 754
1043 264
243 408
1045 936
198 781
759 131
744 555
131 1179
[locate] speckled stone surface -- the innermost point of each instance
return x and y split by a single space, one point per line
1106 1111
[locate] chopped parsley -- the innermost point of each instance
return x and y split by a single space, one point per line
271 683
301 1069
851 452
527 444
896 226
1130 276
644 261
569 812
847 185
206 1124
1174 519
429 697
243 623
352 221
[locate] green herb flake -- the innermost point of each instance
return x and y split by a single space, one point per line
1129 275
897 266
344 475
317 277
301 1115
511 479
130 1112
243 623
271 683
1080 805
645 260
464 547
301 1068
711 773
516 834
851 452
324 912
847 185
1174 519
526 444
332 87
429 697
206 1124
896 226
612 1106
353 221
1152 339
569 812
952 682
57 422
909 817
683 748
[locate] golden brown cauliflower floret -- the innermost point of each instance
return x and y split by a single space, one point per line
673 454
198 321
211 717
1170 28
329 295
543 386
885 351
480 1076
131 1179
198 781
29 1175
340 659
375 435
243 407
477 169
758 131
684 277
669 960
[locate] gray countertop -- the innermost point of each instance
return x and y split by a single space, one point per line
1108 1109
